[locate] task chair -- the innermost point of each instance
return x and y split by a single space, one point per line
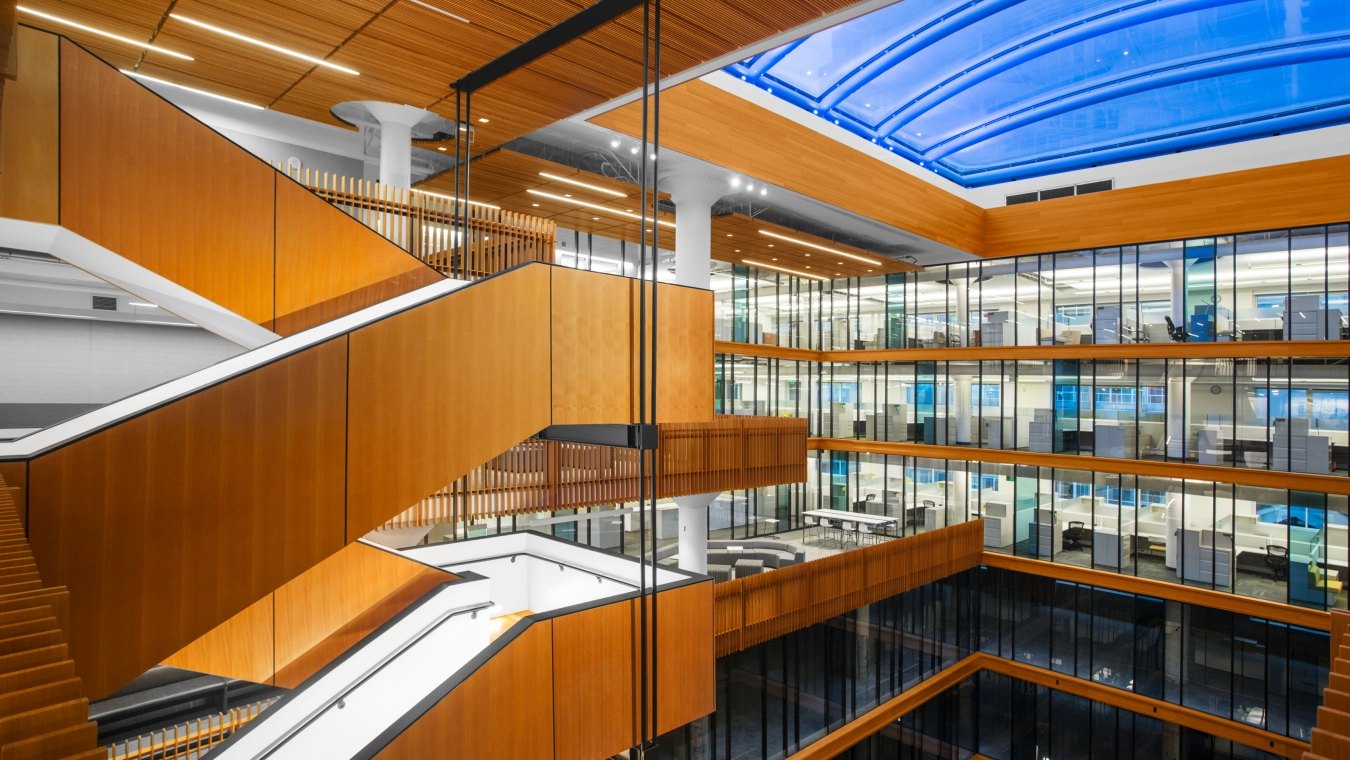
1277 559
1075 534
1177 334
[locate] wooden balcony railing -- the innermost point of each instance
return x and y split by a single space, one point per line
755 609
730 452
426 225
190 739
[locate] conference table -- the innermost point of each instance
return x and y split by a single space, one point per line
852 518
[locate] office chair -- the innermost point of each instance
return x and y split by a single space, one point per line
1277 559
1177 334
1074 535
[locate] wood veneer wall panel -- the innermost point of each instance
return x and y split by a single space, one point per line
328 265
440 389
314 605
686 672
167 524
29 129
504 711
591 366
274 640
240 647
594 681
1289 195
712 124
147 181
756 609
684 358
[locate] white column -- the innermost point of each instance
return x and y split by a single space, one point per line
694 195
693 519
396 128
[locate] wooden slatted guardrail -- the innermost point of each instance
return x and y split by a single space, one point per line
1331 737
729 452
426 224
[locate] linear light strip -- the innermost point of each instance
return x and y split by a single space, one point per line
595 206
101 33
587 185
261 44
826 249
798 273
441 11
451 198
207 93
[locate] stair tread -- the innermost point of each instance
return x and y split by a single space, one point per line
66 741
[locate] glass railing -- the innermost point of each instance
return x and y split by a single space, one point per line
1275 285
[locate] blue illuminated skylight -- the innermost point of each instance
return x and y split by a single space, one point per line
989 91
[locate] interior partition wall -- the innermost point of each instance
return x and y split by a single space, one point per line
1288 284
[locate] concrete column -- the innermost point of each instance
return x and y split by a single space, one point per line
398 126
963 409
693 521
694 195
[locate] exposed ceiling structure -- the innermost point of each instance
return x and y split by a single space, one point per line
404 51
992 91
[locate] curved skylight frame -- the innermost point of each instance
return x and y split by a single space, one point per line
1305 45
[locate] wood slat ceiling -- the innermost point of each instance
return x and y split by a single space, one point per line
505 177
409 54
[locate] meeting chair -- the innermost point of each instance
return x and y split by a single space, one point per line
811 526
1177 334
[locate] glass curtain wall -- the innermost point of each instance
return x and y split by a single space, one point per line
1287 413
1282 545
777 697
1274 285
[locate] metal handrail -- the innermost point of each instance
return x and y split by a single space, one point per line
370 672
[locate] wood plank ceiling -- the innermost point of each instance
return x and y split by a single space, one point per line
505 178
408 53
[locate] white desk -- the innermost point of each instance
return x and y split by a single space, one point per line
850 517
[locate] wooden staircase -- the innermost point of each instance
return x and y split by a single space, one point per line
43 712
1331 737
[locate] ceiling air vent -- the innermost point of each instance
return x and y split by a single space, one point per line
105 303
1061 192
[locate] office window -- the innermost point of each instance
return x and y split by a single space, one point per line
1330 410
984 395
1067 396
1114 399
984 482
1152 398
1300 517
1077 315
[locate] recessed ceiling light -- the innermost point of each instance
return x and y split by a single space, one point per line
440 11
613 143
157 80
633 150
125 40
596 206
775 258
441 148
261 44
142 304
729 234
771 245
774 267
824 248
738 250
483 119
567 195
595 219
579 183
536 205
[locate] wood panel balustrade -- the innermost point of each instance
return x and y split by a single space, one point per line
752 610
729 452
426 224
1331 737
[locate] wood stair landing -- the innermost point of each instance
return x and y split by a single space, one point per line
44 714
